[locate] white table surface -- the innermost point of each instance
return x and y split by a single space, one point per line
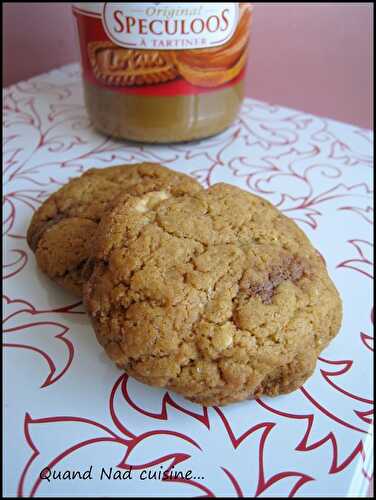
67 407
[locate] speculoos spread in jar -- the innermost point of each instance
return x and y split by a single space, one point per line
163 72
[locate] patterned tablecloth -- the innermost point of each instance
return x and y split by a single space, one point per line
69 409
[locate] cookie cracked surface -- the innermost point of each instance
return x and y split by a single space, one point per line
62 229
214 294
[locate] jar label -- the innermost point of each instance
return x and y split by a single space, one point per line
163 48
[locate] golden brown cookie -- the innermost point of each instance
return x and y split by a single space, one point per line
215 295
62 229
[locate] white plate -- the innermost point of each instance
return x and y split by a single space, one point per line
67 407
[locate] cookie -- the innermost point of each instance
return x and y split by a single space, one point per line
215 295
62 229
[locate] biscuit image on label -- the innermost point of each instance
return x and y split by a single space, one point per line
119 66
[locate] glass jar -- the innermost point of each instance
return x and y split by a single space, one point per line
163 72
